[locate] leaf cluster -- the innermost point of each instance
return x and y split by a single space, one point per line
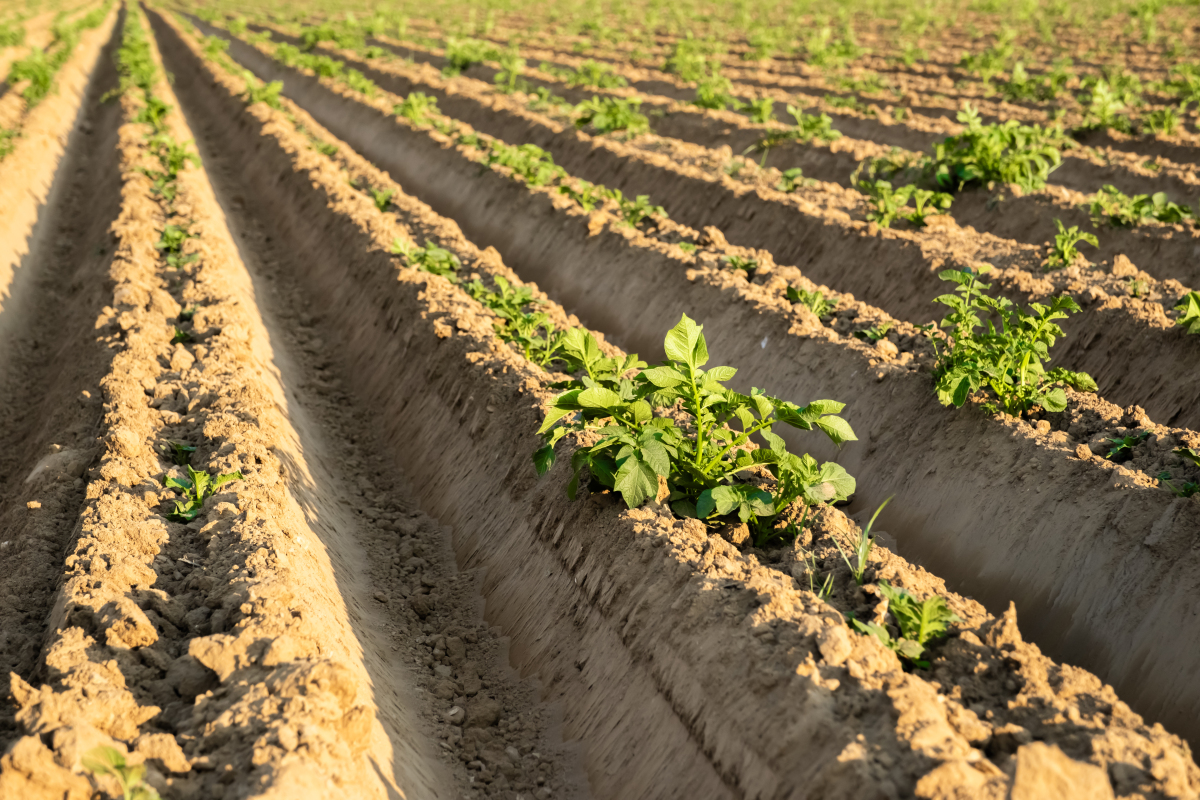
918 623
593 75
610 114
194 490
1064 251
887 204
698 443
1190 318
1118 209
1010 359
1007 152
814 301
431 258
417 108
104 760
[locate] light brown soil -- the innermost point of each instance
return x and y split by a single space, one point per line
599 283
389 603
813 231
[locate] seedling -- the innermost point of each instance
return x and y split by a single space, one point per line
1188 454
1008 153
382 198
1064 251
636 210
105 760
508 78
875 332
587 195
195 489
1122 446
1118 209
417 108
267 93
611 114
761 110
1010 359
180 336
593 76
171 244
1190 318
789 179
430 258
826 588
747 265
862 550
1138 287
179 452
1179 489
700 459
919 623
715 91
888 204
814 301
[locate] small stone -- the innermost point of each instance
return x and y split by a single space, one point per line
834 644
483 712
1043 770
887 349
288 738
1043 426
1122 267
1083 452
456 715
381 597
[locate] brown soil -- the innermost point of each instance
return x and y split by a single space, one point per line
751 213
51 363
311 634
597 280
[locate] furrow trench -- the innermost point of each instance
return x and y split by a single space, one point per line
982 515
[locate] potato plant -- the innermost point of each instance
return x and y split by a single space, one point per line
1008 360
695 451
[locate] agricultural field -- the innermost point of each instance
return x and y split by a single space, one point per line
599 400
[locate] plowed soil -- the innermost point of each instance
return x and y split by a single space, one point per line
386 601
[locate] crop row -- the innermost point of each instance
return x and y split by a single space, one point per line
363 121
744 208
467 332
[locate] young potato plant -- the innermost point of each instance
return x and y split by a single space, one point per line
1122 446
1008 360
508 78
919 623
1120 210
1190 306
194 490
1008 152
417 108
610 114
862 550
537 336
789 179
698 444
104 760
592 75
1064 251
888 204
170 243
430 258
814 301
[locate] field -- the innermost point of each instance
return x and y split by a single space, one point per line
615 400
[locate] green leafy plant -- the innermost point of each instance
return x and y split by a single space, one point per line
789 179
697 460
593 75
195 489
887 204
1008 360
588 195
7 141
742 263
1122 446
430 258
862 549
1188 454
814 301
417 108
529 161
1102 107
635 211
715 91
1190 318
1165 121
1064 251
382 198
179 452
1009 152
761 110
171 244
875 332
267 93
508 78
461 54
1120 210
611 114
180 336
919 623
1178 488
105 760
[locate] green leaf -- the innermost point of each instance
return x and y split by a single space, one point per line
1054 400
599 397
664 377
636 481
685 343
543 459
836 429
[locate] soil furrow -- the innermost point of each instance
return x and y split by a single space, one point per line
1128 344
51 363
940 524
559 572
